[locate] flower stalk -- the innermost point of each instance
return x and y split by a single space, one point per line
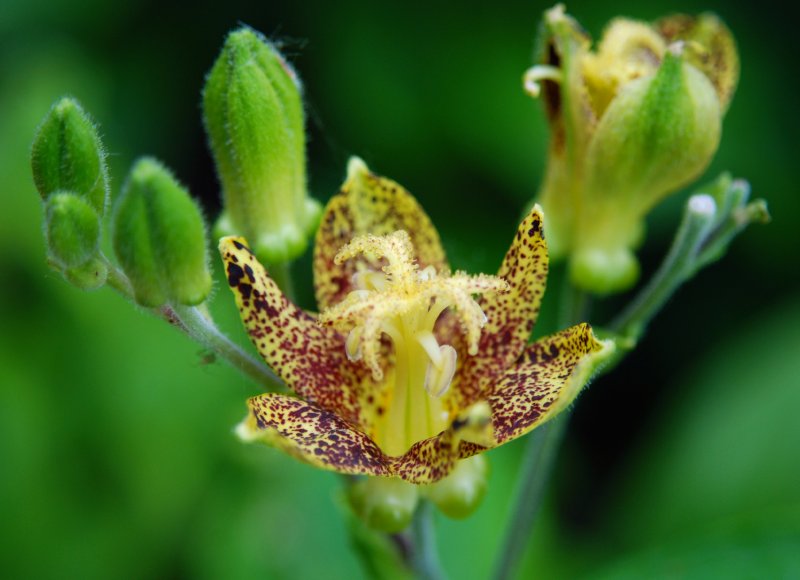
200 327
425 559
710 223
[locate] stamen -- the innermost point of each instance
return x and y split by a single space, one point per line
369 280
429 273
531 81
352 345
439 377
431 346
370 344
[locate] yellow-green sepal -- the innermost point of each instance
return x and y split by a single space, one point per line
159 238
656 136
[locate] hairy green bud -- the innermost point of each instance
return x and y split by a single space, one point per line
72 229
253 114
159 238
67 155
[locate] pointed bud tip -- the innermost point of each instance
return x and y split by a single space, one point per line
356 168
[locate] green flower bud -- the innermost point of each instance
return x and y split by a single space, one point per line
631 123
459 494
88 276
253 115
384 503
159 238
72 229
67 155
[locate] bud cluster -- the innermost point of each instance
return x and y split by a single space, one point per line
159 234
70 173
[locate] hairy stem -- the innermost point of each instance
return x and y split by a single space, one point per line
199 326
203 330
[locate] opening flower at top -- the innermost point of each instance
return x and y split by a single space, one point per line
409 369
632 120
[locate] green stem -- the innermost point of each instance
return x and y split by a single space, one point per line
200 328
678 266
538 457
425 559
540 454
203 330
117 279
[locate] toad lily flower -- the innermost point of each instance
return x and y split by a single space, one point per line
409 368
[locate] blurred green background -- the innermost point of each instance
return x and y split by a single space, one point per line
116 452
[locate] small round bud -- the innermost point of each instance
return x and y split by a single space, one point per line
160 239
72 229
253 115
384 503
459 494
604 270
89 276
702 203
67 155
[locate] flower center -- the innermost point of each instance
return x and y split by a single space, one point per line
403 303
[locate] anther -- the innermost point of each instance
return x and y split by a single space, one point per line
531 81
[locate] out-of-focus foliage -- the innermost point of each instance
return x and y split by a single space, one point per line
115 432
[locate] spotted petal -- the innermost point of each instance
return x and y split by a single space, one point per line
366 204
312 434
325 440
310 358
510 315
547 378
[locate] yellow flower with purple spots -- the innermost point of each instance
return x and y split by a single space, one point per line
408 368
